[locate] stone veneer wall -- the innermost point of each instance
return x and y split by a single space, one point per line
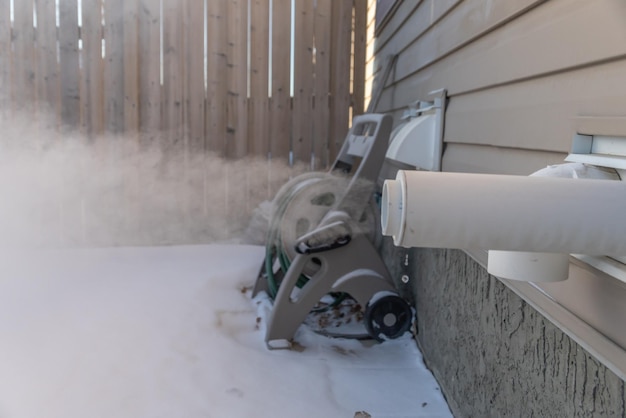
491 352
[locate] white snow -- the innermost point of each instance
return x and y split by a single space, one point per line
168 332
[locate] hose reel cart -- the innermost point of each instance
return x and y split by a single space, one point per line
322 242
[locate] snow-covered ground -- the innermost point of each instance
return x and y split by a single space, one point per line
171 332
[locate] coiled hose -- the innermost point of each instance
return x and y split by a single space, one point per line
275 246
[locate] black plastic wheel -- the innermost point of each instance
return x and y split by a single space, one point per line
388 317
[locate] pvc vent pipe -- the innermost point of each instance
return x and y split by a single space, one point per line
505 213
544 267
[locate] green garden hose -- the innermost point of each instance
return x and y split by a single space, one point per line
274 248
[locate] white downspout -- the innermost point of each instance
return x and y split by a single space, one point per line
507 213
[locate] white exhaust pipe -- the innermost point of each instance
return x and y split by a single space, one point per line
507 213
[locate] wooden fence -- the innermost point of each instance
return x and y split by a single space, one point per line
234 77
201 81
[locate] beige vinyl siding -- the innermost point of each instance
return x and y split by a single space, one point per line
464 158
517 72
522 77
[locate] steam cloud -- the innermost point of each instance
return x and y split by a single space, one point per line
61 189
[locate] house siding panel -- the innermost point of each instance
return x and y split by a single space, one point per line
520 74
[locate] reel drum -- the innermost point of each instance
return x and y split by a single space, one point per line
307 206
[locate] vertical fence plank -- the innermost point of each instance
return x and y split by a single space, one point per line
280 119
303 81
173 115
129 152
109 204
69 77
149 22
48 100
358 65
195 109
216 123
237 53
92 95
258 130
69 63
114 65
173 70
258 125
236 181
195 75
48 89
23 93
217 70
5 56
322 83
340 74
131 66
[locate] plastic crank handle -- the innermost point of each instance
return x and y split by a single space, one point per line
325 238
